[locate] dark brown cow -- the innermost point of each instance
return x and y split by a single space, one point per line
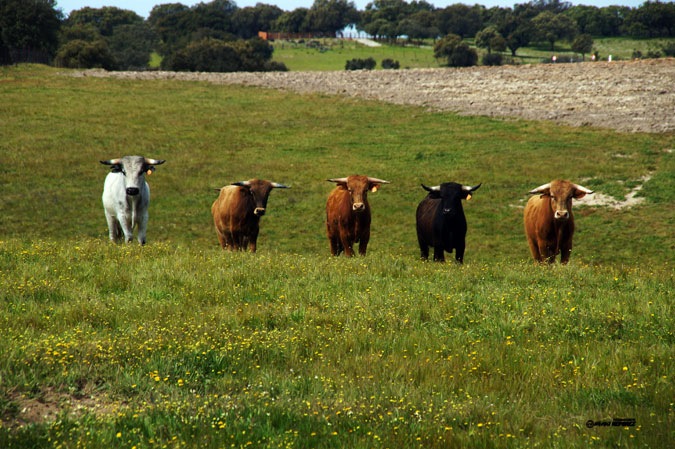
549 222
237 211
348 213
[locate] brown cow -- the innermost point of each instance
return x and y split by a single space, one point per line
549 222
237 211
348 213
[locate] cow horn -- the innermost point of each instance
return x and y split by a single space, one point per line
541 188
337 180
112 162
471 189
431 189
378 181
154 161
280 186
241 183
583 189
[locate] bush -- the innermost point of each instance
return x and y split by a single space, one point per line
492 59
79 54
653 54
669 49
390 64
455 51
359 64
213 55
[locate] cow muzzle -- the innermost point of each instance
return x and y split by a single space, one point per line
259 211
358 206
133 191
561 215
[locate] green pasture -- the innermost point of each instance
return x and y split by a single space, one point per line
179 344
332 54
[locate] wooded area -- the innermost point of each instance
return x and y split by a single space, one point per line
219 36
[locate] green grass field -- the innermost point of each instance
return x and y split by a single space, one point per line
178 344
334 53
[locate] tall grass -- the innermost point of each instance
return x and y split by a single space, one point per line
178 344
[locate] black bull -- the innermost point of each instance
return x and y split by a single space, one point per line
441 222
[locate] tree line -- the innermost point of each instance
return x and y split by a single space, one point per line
218 35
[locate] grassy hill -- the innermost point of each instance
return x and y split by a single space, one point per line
179 344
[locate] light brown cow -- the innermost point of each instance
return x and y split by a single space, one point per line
348 213
549 222
237 211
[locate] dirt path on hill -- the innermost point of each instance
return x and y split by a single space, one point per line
633 96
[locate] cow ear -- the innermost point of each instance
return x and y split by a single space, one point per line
149 169
116 168
373 187
581 191
242 184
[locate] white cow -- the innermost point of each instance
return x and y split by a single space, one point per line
126 196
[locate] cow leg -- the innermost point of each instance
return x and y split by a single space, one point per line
113 227
534 249
125 223
237 239
363 243
252 241
229 241
546 253
335 247
424 248
222 239
459 254
347 243
439 254
565 252
142 227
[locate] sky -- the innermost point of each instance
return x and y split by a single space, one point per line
143 7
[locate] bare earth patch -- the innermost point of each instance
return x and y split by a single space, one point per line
633 96
600 199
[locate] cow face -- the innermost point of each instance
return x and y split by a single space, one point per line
451 195
259 191
358 187
560 193
134 169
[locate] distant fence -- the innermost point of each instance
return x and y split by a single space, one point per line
19 55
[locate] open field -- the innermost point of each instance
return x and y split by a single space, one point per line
626 95
178 344
332 54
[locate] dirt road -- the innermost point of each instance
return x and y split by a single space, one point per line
633 96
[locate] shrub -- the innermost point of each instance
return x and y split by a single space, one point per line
209 55
669 49
455 51
653 54
213 55
79 54
390 64
492 59
359 64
